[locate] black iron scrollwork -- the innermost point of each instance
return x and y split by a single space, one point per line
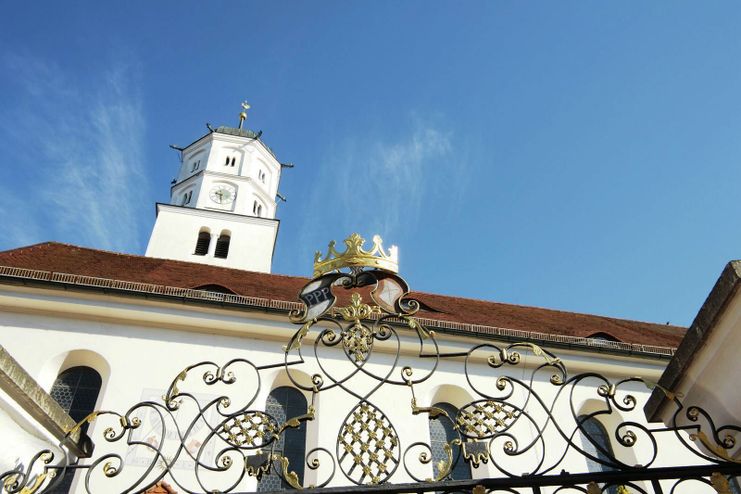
524 420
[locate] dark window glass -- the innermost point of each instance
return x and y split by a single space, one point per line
441 433
222 246
282 404
76 390
733 482
204 240
596 431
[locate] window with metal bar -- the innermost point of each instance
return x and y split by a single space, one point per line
599 447
76 390
442 433
282 404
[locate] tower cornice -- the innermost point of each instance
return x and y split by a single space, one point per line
235 139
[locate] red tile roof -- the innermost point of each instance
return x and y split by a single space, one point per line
64 258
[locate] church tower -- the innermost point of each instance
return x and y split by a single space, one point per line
222 203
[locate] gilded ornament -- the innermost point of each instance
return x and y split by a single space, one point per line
720 483
356 257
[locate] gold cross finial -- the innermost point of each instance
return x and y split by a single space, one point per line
243 114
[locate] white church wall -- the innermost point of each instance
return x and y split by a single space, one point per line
21 435
707 380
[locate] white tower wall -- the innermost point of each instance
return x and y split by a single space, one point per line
176 232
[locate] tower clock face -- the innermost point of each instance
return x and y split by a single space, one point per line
222 194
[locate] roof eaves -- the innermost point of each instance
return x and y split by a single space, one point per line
188 295
720 295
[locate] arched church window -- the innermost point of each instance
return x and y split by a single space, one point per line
186 198
204 240
226 163
222 246
259 210
599 446
76 390
282 404
234 160
442 433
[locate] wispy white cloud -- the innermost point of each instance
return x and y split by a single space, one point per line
75 171
383 185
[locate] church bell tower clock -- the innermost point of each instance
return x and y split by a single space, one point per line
222 202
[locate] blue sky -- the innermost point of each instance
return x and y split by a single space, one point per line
583 156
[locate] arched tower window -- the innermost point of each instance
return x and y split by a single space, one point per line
186 198
282 404
441 433
204 240
599 446
222 245
256 208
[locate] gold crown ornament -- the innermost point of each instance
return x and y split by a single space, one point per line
357 257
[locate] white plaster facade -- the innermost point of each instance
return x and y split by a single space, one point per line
709 379
704 368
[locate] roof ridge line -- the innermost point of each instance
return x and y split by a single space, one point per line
562 311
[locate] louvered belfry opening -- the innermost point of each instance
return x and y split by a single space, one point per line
222 246
204 240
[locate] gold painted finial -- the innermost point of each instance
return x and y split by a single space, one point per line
243 114
357 257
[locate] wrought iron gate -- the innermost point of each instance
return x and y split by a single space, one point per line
524 425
